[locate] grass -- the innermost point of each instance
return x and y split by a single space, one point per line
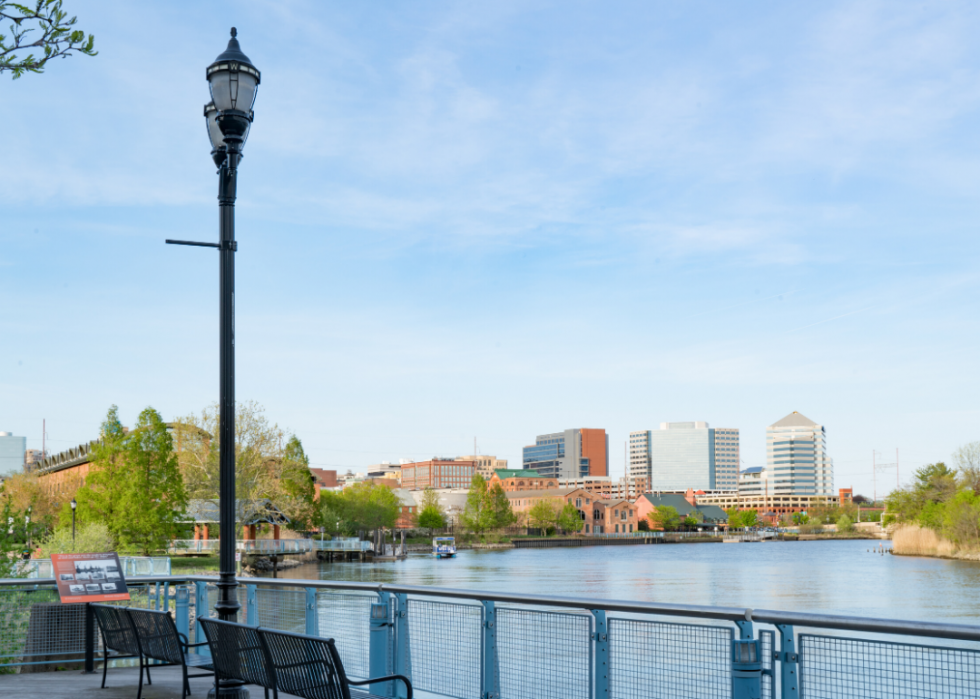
194 564
911 540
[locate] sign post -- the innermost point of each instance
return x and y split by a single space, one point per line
89 577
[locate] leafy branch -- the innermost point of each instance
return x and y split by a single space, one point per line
57 38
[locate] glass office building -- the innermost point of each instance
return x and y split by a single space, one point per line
796 457
12 452
682 455
579 453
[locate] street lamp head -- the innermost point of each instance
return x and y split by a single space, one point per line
73 504
233 81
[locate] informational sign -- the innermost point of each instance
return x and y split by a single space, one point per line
89 577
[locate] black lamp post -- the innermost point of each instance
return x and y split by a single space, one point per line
233 81
73 506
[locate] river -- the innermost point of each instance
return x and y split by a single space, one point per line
834 577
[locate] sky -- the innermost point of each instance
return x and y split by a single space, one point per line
465 221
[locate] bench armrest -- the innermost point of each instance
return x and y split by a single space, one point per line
408 682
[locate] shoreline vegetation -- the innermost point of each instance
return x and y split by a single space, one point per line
913 540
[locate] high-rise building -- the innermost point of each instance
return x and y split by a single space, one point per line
33 456
726 458
12 452
682 455
570 454
796 457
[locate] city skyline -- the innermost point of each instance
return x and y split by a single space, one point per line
447 230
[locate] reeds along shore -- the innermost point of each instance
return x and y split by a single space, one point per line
911 540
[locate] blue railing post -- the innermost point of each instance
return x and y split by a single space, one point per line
746 662
182 613
378 646
401 643
251 606
200 612
312 625
490 689
601 649
789 676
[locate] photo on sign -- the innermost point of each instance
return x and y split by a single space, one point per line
77 589
67 576
96 570
108 587
94 589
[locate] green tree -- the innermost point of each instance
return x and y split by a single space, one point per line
296 491
431 515
12 541
332 513
135 487
477 516
734 518
643 525
371 507
544 515
570 519
498 504
845 524
690 522
664 517
42 25
749 519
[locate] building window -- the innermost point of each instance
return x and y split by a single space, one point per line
578 502
617 529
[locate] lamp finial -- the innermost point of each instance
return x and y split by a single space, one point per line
234 32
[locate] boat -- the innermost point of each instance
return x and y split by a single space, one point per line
444 547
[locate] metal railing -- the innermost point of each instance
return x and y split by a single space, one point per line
342 544
477 645
132 566
246 545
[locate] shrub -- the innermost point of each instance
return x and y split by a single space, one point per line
89 538
844 525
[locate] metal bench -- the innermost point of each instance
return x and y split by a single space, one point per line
305 666
118 637
159 640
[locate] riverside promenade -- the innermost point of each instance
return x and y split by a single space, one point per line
469 644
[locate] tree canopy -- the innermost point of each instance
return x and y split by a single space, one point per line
44 26
135 487
664 517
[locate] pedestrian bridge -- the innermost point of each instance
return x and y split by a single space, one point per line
468 644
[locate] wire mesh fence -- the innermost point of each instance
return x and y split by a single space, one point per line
344 617
544 655
841 668
445 647
664 660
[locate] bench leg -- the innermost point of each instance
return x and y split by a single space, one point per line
139 693
105 666
149 680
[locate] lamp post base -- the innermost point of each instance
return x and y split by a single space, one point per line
229 689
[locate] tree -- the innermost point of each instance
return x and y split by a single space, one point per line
44 26
23 491
295 486
268 464
544 514
845 524
967 460
664 517
801 518
643 525
734 518
570 519
431 515
477 516
690 522
332 513
501 514
371 507
12 541
749 519
135 487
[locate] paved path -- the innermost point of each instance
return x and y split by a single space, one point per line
121 683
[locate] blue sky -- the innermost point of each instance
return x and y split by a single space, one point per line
496 220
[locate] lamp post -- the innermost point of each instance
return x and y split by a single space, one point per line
73 506
233 81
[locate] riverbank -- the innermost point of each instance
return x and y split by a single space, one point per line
912 540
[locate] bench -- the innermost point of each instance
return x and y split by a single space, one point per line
156 639
305 666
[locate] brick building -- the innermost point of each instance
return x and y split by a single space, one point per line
437 473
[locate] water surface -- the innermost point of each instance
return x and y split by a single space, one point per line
834 577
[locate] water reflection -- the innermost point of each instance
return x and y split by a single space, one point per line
835 577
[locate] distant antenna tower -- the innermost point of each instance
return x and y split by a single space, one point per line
878 464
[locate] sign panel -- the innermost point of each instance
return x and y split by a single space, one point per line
89 577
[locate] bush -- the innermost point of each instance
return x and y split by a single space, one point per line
811 528
89 538
844 525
